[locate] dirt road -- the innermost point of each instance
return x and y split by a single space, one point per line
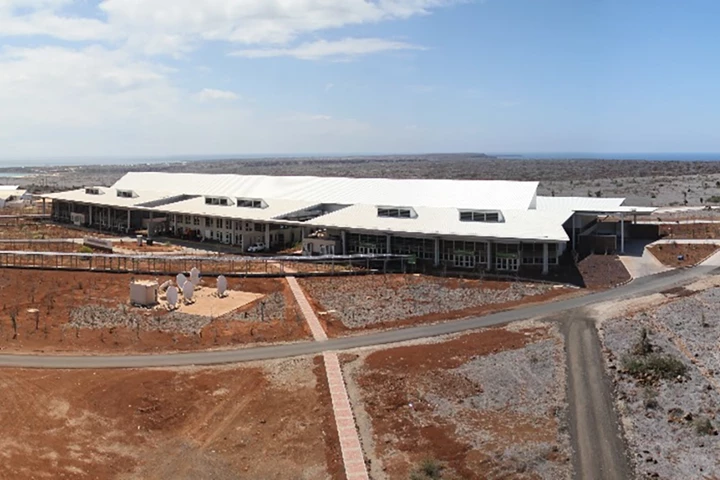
594 429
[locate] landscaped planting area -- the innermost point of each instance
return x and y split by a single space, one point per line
665 364
372 300
489 404
682 254
84 311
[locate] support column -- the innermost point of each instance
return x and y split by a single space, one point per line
437 252
622 233
128 221
43 210
90 222
150 225
546 261
388 244
489 256
574 231
267 235
343 236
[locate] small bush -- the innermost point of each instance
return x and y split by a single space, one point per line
650 398
713 199
85 249
654 366
429 469
703 426
643 346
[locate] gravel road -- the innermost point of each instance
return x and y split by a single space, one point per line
599 447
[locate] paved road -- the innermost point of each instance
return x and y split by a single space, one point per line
640 286
598 444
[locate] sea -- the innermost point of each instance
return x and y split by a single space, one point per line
18 164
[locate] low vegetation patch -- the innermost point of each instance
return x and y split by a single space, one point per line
645 363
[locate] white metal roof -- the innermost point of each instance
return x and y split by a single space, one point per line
485 194
9 187
109 198
436 202
518 224
590 205
275 208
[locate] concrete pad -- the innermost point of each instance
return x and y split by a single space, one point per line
208 304
639 262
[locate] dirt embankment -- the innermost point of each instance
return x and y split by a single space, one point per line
603 271
270 422
489 404
89 312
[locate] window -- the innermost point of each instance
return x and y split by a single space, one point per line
217 201
209 222
228 224
475 216
259 227
187 220
125 193
395 212
92 191
249 203
196 221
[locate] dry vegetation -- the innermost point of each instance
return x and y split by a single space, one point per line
664 364
392 300
489 404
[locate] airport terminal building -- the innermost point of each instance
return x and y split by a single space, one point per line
463 224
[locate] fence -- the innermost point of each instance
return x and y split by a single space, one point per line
219 265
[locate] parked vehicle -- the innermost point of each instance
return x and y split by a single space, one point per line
257 247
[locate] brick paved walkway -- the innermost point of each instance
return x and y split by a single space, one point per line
317 331
352 454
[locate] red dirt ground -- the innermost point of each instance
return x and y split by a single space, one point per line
603 271
389 380
693 254
56 293
183 424
25 229
691 230
335 328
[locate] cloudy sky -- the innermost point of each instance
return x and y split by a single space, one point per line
182 77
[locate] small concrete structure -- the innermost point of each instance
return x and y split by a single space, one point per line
144 293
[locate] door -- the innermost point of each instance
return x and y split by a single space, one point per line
507 263
465 261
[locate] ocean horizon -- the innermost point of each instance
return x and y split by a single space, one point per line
19 165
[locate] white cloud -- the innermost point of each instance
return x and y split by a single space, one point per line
340 49
329 86
213 94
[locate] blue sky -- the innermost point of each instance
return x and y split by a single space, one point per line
180 77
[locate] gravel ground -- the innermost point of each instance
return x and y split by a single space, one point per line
272 307
371 300
696 320
100 317
660 418
527 381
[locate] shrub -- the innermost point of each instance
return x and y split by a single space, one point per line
643 346
654 366
85 249
703 426
713 199
429 469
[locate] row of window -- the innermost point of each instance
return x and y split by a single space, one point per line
474 216
395 212
241 202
